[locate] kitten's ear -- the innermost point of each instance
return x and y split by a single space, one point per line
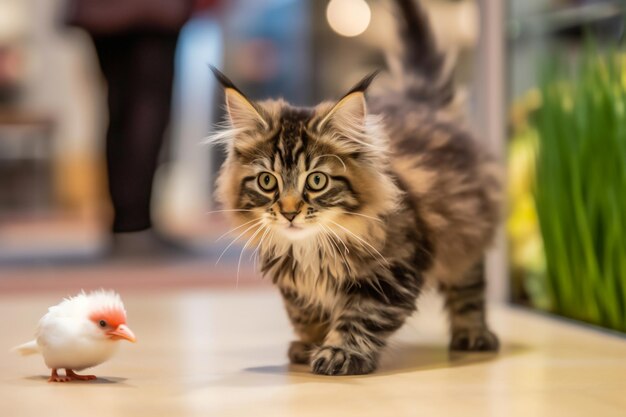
243 113
351 109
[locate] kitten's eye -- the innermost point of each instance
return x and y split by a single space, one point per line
103 323
317 181
267 181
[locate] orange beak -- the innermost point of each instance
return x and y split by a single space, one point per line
122 332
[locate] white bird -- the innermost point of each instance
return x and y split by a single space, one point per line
79 333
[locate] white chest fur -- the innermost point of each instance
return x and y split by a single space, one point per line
312 274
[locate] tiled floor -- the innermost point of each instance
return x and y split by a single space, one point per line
221 352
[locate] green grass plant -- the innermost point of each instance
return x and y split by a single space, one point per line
580 188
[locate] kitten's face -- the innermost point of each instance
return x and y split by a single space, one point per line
291 179
299 173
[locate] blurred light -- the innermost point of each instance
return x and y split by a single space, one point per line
12 20
348 17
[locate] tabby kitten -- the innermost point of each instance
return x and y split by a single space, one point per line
354 207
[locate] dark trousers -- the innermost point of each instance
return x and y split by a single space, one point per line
139 70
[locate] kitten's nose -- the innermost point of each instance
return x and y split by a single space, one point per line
290 215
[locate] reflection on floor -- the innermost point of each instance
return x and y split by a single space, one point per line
221 351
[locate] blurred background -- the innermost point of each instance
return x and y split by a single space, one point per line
545 84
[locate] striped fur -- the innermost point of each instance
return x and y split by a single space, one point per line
355 206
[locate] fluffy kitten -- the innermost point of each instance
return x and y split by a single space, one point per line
354 207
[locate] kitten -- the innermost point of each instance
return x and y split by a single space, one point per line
354 207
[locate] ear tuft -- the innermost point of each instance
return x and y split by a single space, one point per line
243 113
364 84
351 110
222 79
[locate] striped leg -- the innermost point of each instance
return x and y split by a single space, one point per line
354 343
465 302
310 329
358 334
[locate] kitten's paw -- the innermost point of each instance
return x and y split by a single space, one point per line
299 352
329 360
478 340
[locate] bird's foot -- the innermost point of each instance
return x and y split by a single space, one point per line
73 376
55 377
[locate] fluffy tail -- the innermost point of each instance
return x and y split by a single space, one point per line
26 349
421 62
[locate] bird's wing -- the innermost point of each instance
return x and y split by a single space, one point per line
57 331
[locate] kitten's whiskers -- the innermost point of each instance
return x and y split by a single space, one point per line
222 211
338 238
236 228
341 253
258 246
362 215
386 263
324 244
256 232
237 238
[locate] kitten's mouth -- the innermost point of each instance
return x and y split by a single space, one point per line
296 232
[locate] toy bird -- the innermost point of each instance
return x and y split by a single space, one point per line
79 333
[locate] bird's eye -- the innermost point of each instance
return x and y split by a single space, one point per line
317 181
267 181
103 323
